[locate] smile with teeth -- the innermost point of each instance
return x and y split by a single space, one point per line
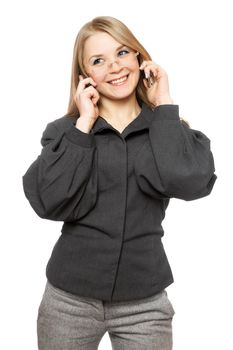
119 81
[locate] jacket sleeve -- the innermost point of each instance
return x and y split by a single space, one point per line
61 184
183 162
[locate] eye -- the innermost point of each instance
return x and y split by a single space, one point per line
98 61
123 52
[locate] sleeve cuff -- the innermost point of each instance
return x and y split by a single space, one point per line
79 137
166 112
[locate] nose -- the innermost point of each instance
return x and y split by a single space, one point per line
114 61
114 70
114 67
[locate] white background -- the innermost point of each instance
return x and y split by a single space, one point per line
192 41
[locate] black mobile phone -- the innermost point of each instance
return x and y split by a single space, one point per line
89 84
85 76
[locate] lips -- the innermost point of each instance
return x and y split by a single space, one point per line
118 80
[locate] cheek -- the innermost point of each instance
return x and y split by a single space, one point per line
98 78
133 66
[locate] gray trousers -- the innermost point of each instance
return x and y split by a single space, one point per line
69 322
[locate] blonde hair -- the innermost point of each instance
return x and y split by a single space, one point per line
120 32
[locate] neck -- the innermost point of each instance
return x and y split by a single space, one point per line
119 111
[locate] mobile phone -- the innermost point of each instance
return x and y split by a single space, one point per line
150 80
89 84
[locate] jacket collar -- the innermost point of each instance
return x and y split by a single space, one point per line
142 121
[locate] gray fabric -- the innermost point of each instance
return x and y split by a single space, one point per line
70 322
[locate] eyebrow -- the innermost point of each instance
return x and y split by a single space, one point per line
101 55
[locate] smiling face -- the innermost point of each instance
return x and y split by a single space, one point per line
113 66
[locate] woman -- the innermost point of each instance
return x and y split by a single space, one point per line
108 169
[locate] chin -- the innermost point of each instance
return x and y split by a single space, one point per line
118 94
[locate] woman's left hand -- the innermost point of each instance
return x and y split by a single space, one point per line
158 91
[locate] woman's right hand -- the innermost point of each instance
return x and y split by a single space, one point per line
86 99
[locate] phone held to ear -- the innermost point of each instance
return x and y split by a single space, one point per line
86 76
150 80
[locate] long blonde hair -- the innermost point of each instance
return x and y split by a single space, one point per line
120 32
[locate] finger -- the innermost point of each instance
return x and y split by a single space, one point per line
87 81
146 63
143 65
148 83
95 99
145 82
150 72
157 72
156 68
84 84
80 77
150 77
90 92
